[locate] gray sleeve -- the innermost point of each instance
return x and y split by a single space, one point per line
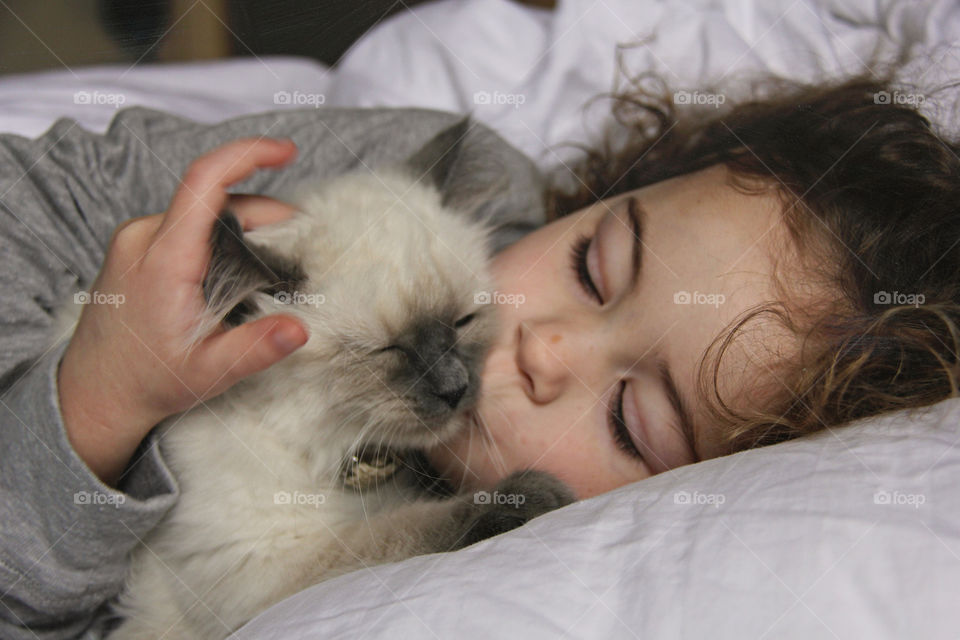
64 535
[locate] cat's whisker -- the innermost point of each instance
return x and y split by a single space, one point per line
463 477
369 426
363 436
490 444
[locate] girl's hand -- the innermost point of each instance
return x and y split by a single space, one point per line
126 367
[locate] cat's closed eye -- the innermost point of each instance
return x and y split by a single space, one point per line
464 321
390 347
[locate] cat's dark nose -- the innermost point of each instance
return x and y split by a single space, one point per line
452 397
442 373
448 380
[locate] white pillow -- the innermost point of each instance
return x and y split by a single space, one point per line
852 533
528 72
201 91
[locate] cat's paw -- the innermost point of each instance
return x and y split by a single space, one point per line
518 498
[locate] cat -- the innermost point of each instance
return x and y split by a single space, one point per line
386 278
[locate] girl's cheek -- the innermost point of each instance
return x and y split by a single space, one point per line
506 274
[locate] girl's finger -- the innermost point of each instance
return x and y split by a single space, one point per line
252 347
202 193
255 211
132 239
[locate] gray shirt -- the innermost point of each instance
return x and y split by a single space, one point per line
64 535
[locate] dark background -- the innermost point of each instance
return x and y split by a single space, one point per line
322 30
59 34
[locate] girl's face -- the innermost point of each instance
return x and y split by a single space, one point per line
595 308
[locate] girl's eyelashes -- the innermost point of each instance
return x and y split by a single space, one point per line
578 261
618 426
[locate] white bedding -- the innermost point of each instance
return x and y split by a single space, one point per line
206 92
454 55
444 54
853 534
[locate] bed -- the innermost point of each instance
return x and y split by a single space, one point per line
853 533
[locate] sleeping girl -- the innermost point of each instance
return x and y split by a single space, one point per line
708 286
723 284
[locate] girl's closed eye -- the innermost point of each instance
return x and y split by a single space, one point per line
581 270
596 259
618 426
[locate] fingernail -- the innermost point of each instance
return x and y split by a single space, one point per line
289 338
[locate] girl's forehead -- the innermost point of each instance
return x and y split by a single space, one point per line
700 223
701 195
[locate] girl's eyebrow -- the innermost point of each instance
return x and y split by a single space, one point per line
638 218
680 406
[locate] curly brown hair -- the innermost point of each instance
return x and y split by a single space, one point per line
871 198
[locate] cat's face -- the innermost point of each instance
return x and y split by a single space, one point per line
391 286
391 291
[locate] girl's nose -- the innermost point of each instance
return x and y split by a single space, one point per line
548 355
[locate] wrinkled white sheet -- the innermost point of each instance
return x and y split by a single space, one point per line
852 534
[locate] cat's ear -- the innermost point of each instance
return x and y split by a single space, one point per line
463 163
435 162
238 270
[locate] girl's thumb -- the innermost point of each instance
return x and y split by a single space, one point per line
254 346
